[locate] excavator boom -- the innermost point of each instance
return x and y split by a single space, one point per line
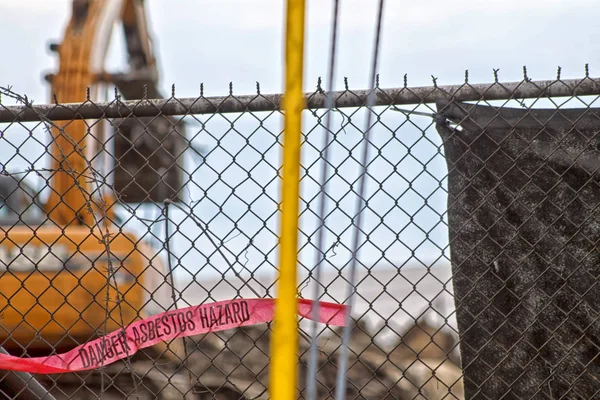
74 184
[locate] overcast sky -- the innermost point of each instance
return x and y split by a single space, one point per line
220 41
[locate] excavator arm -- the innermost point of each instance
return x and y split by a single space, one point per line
74 184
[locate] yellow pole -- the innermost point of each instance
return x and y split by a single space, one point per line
284 341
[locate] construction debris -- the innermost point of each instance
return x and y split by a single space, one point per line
423 363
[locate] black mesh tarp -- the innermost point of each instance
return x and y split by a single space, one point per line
523 197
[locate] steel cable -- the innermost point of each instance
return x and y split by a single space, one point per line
311 376
340 392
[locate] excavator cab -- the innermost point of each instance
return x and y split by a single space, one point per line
18 203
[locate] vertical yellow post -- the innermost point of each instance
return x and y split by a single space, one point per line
284 341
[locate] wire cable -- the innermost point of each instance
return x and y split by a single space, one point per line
340 392
320 255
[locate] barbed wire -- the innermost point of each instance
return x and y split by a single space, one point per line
518 91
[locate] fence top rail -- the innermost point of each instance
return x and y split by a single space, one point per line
173 106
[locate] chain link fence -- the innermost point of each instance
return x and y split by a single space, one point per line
478 269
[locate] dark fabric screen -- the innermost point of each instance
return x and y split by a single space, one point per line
523 197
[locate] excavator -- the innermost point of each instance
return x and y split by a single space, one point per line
70 271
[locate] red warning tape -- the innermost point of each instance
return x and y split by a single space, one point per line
166 326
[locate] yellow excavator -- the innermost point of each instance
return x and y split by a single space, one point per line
69 271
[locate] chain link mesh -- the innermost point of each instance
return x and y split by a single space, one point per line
190 215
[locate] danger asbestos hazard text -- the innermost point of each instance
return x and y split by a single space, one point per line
178 323
166 326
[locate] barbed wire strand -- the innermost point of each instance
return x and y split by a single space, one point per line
105 236
311 375
172 282
340 392
217 247
111 273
